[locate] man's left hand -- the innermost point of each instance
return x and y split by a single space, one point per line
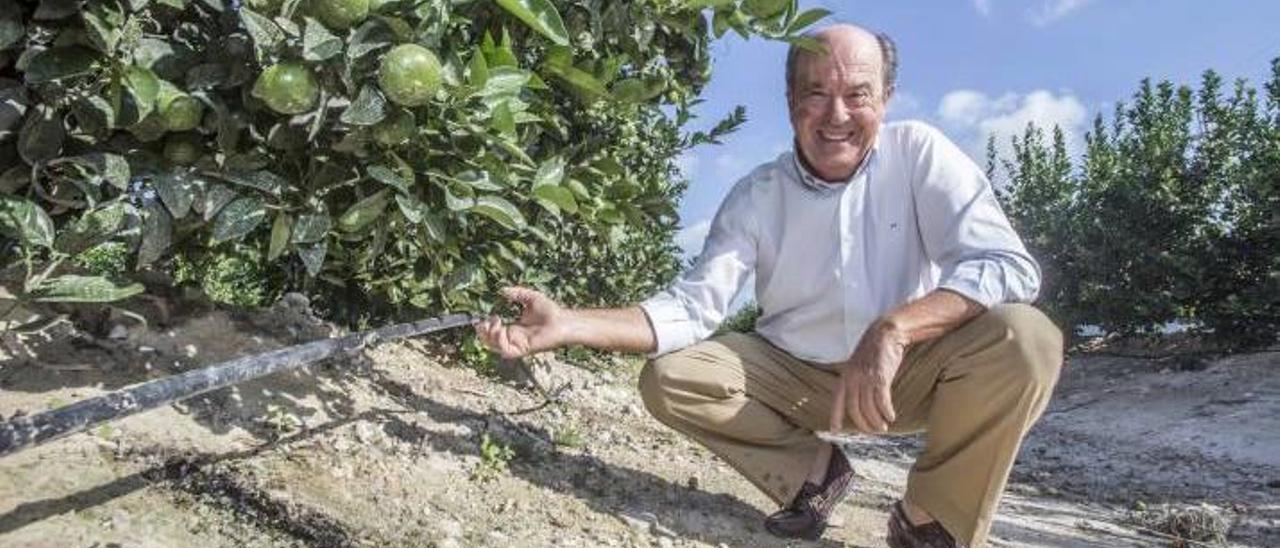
863 391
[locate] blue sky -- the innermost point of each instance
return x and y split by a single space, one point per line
978 67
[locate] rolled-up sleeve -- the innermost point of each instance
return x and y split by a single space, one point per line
964 230
694 305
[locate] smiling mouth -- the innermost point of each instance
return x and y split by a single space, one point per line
834 137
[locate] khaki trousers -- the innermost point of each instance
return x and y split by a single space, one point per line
975 391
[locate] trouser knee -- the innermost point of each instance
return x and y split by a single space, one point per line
1036 344
655 386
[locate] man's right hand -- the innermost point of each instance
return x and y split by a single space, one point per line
540 327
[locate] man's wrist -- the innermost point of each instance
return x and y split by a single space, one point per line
889 329
568 328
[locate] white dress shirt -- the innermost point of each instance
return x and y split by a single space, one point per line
829 259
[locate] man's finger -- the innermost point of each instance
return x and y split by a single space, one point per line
504 345
875 423
884 402
837 407
855 409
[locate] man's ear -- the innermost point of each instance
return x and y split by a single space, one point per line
888 93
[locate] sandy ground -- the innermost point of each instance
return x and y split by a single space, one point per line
402 446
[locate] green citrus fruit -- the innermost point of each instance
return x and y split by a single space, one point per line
395 130
183 149
181 112
409 75
764 8
288 88
340 14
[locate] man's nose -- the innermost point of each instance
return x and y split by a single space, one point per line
837 112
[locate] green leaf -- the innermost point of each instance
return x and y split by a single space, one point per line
541 16
500 210
499 55
157 233
92 228
502 120
263 180
478 180
95 115
390 177
505 81
807 43
560 196
700 4
108 167
629 90
215 197
23 220
71 288
412 208
806 18
313 256
265 33
239 218
100 32
310 228
360 214
41 136
318 44
374 34
169 60
368 109
177 191
58 63
559 64
280 230
549 173
477 70
144 87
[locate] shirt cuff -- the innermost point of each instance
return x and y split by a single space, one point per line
672 325
979 280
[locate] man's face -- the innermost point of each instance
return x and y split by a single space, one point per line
837 102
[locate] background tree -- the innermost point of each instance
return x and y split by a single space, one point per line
1170 217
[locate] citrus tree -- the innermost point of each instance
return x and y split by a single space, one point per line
1172 215
383 155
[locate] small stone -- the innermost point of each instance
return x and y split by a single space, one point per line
635 522
692 482
190 350
118 333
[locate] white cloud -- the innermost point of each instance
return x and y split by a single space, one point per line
972 117
904 106
1049 11
691 238
1042 13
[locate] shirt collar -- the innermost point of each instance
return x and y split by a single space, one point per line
813 182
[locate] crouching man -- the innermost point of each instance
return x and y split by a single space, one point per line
892 289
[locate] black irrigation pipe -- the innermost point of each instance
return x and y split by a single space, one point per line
23 432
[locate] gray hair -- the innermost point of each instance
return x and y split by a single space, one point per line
888 61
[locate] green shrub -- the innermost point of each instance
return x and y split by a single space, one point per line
1169 219
512 141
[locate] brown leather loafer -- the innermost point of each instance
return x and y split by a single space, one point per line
902 534
806 517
